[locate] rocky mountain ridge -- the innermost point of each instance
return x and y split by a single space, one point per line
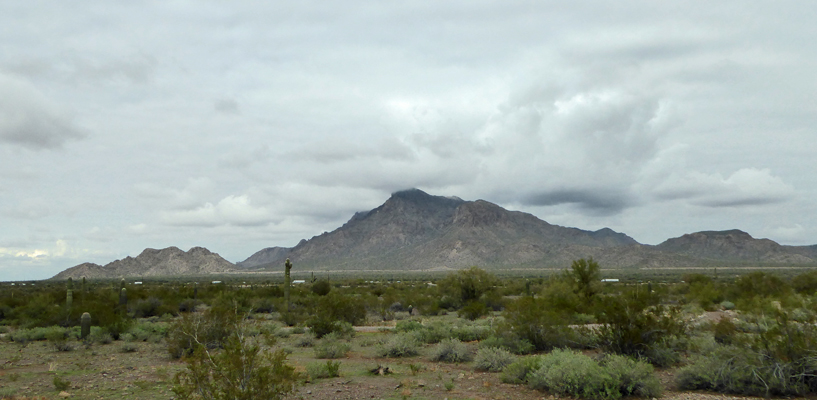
413 230
170 261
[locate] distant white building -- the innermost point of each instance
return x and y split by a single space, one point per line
610 280
298 281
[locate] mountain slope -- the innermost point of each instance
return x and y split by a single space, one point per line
170 261
415 230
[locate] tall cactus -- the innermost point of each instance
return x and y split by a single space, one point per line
84 288
287 283
123 300
69 299
85 325
69 294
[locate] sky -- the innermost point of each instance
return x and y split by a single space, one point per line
242 125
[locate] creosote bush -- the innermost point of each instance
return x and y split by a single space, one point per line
240 370
331 346
452 350
400 345
569 373
318 370
493 359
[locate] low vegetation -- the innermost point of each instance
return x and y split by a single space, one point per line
564 334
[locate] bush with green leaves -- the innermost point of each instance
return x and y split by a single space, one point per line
400 345
518 371
634 324
241 369
493 359
319 370
452 350
540 323
331 346
508 342
474 309
322 287
209 329
466 285
35 334
566 372
777 358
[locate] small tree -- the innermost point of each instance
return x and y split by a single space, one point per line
585 275
468 284
242 370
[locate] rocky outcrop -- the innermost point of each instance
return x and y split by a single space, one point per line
170 261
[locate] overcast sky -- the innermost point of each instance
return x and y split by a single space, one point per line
242 125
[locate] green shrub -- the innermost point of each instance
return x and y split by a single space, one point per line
305 340
633 324
241 370
518 371
330 346
330 369
61 384
452 350
35 334
508 342
400 345
323 325
209 329
321 287
754 370
493 359
538 322
128 347
466 285
567 373
473 310
634 378
407 326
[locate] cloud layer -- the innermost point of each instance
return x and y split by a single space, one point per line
241 126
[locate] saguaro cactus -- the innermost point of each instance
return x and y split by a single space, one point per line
69 298
84 288
287 283
69 294
123 300
85 325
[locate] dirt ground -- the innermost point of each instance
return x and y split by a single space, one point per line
107 372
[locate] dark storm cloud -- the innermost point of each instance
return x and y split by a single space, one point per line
594 201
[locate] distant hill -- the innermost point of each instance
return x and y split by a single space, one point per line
152 263
414 230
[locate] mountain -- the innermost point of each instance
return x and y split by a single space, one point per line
736 246
170 261
415 230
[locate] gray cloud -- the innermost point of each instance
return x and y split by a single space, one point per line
226 106
595 201
268 123
29 119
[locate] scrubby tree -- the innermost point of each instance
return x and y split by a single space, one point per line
242 370
586 277
468 284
